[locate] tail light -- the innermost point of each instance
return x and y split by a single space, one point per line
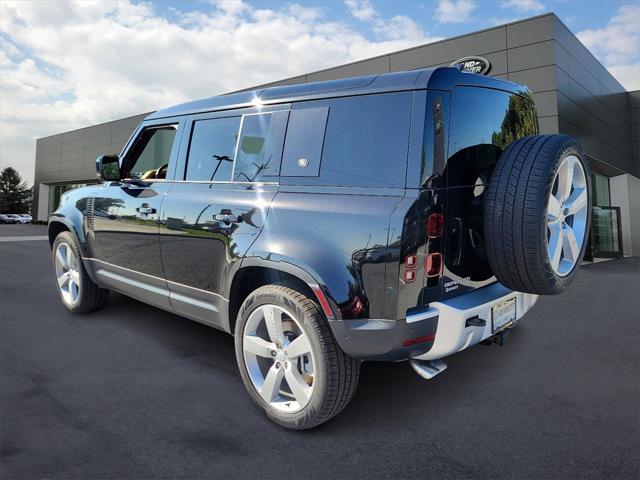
435 225
433 265
353 309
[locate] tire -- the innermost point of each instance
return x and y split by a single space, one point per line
334 374
79 294
525 227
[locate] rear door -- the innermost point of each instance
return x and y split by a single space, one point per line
484 122
223 186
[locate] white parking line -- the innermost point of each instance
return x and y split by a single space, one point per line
24 238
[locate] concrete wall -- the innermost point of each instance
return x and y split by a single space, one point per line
593 106
625 193
70 157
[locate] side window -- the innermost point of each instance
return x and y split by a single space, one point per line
260 146
365 141
305 137
212 149
149 157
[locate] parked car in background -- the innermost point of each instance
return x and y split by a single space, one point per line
404 216
26 218
18 218
4 218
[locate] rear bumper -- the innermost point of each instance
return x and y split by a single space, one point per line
454 332
440 330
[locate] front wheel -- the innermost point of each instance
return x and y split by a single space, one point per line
77 291
289 361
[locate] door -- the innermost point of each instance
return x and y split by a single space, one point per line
124 221
224 183
606 233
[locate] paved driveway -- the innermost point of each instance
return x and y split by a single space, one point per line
135 392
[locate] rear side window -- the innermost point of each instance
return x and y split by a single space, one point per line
260 146
212 149
365 142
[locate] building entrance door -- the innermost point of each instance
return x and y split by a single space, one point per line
606 233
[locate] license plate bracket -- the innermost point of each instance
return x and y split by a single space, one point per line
503 314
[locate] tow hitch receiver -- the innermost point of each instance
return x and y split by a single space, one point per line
499 338
428 369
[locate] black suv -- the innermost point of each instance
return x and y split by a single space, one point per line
404 216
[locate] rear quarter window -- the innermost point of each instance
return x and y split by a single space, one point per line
365 142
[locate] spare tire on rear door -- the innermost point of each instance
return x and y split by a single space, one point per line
537 214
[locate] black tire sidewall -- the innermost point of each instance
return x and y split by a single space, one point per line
312 411
515 213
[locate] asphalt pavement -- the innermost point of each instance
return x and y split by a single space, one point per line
136 392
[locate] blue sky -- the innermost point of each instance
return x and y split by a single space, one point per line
69 64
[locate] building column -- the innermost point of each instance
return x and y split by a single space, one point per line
43 202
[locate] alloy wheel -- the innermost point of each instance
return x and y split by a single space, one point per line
567 213
279 359
67 273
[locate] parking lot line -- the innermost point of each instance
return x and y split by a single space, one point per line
24 238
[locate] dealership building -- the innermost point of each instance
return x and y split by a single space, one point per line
574 94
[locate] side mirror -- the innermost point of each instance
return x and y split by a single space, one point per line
108 168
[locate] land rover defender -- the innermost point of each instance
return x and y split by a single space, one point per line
403 216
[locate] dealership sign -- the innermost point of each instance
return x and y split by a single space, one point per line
479 65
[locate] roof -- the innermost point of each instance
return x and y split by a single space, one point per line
442 78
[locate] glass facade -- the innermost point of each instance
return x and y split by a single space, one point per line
600 186
56 191
605 235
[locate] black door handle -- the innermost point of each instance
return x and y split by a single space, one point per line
227 217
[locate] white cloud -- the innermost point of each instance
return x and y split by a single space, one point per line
627 75
454 11
618 44
394 28
361 9
70 64
524 5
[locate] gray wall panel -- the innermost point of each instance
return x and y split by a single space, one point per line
368 67
532 56
539 79
548 125
530 31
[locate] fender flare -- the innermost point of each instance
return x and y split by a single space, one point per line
290 266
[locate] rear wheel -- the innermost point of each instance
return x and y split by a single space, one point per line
289 361
537 214
77 291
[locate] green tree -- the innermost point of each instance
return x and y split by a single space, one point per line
15 194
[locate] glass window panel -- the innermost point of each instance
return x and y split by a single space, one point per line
155 152
260 146
212 149
601 194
